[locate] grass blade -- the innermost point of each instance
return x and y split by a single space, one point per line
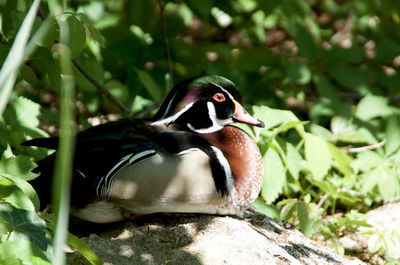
8 73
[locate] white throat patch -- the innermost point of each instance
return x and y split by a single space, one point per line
217 124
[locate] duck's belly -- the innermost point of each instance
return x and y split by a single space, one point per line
161 183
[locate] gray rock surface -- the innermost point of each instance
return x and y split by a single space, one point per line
205 239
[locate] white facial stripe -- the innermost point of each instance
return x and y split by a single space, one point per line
169 104
230 183
223 89
217 124
173 118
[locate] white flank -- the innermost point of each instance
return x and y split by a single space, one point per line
129 160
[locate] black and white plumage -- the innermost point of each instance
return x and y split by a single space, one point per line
181 160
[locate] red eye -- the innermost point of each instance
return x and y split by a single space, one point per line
219 97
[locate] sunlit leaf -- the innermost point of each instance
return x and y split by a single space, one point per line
20 166
13 195
26 187
318 156
305 222
24 115
16 252
392 135
274 176
267 209
388 184
294 160
372 106
341 159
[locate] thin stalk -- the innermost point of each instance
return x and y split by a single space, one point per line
8 73
62 175
166 42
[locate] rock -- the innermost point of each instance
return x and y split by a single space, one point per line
206 239
385 220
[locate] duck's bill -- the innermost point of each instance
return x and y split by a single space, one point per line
241 115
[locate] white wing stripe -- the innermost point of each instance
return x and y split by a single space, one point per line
129 159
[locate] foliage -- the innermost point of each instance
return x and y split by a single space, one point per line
332 62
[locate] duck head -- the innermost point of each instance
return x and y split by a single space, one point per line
204 105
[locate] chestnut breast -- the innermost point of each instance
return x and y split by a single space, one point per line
244 159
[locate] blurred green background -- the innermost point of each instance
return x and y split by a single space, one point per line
331 63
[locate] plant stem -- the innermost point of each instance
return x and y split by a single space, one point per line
166 41
8 73
102 89
62 175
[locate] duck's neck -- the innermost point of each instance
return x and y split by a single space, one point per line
244 159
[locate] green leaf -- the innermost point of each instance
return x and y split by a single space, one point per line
293 161
370 180
20 166
392 135
388 184
202 8
306 224
325 88
351 78
386 50
290 125
84 249
342 159
117 89
318 156
140 104
78 35
25 187
274 176
148 82
288 209
372 106
28 74
275 117
94 33
322 132
16 252
337 54
14 196
25 224
43 61
305 42
267 209
24 115
74 241
297 73
346 131
374 243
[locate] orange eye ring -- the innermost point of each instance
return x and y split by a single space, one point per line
219 97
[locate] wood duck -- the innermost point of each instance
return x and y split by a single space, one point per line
186 159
